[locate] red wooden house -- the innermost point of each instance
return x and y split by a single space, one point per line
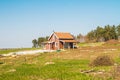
60 40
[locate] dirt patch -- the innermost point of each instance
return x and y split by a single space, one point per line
12 70
112 42
48 63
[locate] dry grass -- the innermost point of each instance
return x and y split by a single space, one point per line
89 53
103 60
68 62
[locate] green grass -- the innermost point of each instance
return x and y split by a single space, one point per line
68 65
90 44
117 60
15 50
63 69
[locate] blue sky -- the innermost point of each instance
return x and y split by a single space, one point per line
23 20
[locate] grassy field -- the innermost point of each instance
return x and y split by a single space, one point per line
6 51
64 65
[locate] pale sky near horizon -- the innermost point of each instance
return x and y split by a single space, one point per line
21 21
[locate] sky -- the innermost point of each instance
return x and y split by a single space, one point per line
21 21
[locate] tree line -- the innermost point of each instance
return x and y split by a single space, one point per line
38 42
104 33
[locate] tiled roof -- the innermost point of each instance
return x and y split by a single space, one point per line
63 35
69 41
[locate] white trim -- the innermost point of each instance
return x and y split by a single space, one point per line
56 36
52 35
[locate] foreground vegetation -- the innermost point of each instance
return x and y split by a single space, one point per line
64 65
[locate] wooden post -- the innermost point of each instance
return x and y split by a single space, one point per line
73 45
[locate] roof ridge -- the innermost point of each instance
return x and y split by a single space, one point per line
61 32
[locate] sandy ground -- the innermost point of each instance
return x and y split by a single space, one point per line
27 52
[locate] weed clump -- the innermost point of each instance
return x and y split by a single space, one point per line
103 60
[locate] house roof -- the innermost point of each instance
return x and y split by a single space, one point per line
63 35
74 41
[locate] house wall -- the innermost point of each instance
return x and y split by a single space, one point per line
53 46
61 45
53 38
56 43
47 46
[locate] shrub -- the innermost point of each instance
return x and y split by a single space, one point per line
102 61
1 62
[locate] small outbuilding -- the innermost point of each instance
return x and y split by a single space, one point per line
60 40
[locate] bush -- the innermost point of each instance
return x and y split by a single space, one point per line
1 62
102 61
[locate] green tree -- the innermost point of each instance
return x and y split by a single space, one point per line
114 32
99 34
104 34
91 35
110 32
118 30
35 43
40 40
107 34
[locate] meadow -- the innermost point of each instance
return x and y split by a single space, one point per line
70 64
6 51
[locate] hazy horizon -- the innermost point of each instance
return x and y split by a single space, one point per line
21 21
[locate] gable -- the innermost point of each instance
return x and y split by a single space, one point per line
53 36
